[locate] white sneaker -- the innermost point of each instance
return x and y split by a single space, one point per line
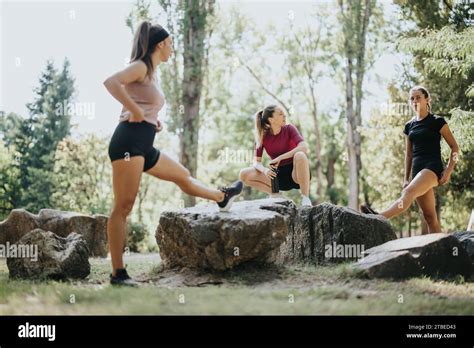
306 202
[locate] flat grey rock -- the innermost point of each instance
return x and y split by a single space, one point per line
437 255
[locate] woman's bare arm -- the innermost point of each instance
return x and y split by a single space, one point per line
453 158
115 85
302 146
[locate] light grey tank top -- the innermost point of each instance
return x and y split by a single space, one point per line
147 95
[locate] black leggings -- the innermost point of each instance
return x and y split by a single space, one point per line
134 139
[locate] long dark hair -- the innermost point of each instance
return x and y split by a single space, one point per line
262 125
146 38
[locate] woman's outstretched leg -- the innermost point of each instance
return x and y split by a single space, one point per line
170 170
424 181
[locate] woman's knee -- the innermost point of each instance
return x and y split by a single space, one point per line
300 156
244 175
123 208
185 183
408 193
184 175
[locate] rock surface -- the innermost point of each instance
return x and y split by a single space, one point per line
92 228
320 231
202 237
466 238
267 230
437 255
396 265
55 257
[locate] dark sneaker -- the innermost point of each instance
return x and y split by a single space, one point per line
122 278
231 192
367 210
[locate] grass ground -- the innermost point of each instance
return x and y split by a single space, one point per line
305 290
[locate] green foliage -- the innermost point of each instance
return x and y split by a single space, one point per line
33 140
8 181
82 174
441 46
442 50
446 53
458 197
136 237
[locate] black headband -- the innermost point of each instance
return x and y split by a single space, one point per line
159 36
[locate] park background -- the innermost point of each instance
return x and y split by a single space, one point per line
341 70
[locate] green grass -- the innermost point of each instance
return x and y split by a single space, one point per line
248 290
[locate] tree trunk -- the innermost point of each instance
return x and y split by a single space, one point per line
355 24
194 36
351 140
317 147
330 171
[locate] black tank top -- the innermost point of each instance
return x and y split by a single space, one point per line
425 137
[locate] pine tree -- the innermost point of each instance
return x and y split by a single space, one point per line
39 134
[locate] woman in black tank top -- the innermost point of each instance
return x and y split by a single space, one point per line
424 167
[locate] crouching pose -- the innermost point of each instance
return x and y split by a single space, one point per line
423 160
286 147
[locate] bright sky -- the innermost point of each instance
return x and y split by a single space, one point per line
95 39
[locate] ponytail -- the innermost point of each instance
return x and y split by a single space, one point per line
262 125
146 38
259 128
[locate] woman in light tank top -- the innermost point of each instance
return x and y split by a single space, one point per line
131 148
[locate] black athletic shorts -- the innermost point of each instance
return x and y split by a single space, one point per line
285 180
134 139
419 164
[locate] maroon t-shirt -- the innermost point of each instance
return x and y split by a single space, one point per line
283 142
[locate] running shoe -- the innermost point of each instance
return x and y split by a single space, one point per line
230 193
122 278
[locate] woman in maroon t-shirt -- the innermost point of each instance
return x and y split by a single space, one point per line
287 150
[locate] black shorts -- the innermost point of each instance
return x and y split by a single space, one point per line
285 180
134 139
435 166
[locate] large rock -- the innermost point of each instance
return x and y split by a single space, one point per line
267 230
46 255
437 255
330 233
202 237
396 265
92 228
467 241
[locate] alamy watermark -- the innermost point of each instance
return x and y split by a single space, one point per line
343 251
37 331
396 109
26 251
228 155
82 109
